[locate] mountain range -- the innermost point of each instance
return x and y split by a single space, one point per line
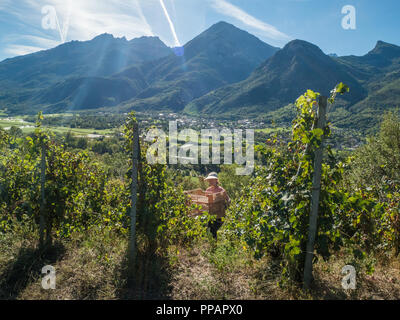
279 81
223 72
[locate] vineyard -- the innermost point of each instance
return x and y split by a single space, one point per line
62 204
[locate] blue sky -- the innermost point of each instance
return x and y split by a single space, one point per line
178 21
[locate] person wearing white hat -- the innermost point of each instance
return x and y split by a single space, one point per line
212 180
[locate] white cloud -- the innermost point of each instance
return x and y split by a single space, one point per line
87 19
40 41
130 18
19 50
233 11
91 17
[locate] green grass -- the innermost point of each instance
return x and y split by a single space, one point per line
273 130
6 123
53 115
84 132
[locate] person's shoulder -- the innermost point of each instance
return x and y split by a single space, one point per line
221 189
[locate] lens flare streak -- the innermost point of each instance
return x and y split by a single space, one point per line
171 24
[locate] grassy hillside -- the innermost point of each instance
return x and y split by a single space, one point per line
93 266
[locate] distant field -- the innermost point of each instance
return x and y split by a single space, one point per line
84 132
28 127
273 130
58 115
12 122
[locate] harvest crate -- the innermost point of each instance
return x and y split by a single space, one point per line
213 203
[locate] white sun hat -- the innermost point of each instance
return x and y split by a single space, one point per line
211 176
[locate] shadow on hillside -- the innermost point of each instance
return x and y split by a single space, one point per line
149 280
268 276
26 268
323 290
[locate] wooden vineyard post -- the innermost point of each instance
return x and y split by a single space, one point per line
42 190
322 106
135 162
